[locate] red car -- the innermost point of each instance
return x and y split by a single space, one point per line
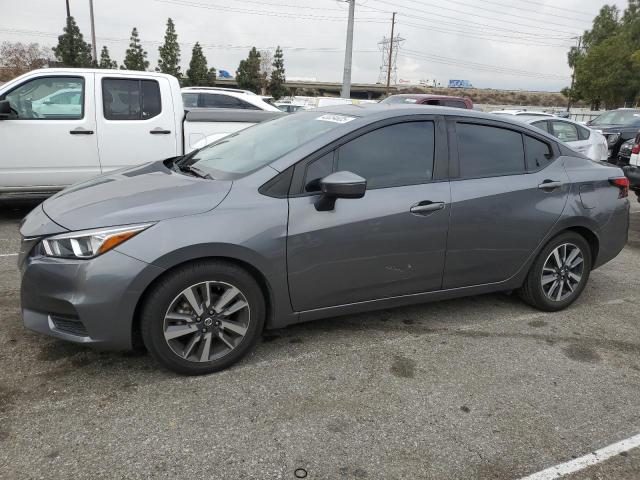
426 99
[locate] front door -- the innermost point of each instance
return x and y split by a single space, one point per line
390 242
137 120
510 192
50 140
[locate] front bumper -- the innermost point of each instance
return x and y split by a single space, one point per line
84 301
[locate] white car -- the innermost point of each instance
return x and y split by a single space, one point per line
521 112
582 139
62 102
214 97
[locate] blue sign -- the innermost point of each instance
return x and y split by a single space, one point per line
224 74
460 84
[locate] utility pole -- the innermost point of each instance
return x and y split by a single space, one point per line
573 75
393 24
348 54
68 11
93 33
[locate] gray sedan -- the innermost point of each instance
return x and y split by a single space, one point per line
315 215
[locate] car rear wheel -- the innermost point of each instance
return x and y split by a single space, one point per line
559 274
203 317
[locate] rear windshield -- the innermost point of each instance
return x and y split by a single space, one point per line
262 144
617 117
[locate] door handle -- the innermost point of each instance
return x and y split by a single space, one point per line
550 185
159 131
80 131
426 206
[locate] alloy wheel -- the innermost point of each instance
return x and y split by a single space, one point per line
562 272
206 321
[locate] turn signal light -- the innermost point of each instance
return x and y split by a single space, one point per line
623 184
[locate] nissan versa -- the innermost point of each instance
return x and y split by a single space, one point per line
314 215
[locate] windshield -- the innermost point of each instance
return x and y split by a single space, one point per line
262 144
399 99
617 117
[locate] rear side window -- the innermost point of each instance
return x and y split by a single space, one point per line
565 131
542 125
215 100
454 103
539 153
486 151
124 99
400 154
583 133
190 100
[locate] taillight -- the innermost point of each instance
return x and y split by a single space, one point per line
636 149
623 184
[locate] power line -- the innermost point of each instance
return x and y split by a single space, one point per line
269 13
538 11
499 39
469 24
464 13
531 2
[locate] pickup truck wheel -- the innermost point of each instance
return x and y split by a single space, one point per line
203 317
559 273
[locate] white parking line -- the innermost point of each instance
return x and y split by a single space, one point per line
588 460
8 254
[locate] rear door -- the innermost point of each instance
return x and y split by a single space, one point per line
388 243
137 120
507 191
51 142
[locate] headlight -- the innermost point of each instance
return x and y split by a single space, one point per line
613 138
89 243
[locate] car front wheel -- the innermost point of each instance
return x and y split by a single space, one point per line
559 273
203 317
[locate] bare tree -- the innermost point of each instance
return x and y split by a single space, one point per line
17 58
266 67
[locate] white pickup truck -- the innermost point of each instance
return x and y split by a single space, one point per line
59 126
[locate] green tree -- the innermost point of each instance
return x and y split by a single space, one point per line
199 74
169 61
135 56
72 50
248 73
105 59
276 83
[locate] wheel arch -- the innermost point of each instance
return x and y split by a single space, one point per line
180 261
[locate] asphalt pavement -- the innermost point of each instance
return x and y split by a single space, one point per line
482 387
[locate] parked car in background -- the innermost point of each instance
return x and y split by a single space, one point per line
617 126
289 107
214 97
530 113
427 99
580 138
59 126
313 215
625 152
632 167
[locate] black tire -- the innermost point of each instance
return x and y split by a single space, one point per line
168 288
532 291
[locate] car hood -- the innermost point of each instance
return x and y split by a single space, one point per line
147 193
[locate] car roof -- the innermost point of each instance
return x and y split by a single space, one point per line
426 96
390 110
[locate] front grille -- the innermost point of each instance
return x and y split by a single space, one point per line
69 325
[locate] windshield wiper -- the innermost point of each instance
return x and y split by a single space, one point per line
195 171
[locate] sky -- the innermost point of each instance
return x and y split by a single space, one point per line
502 44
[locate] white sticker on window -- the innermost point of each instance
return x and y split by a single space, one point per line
335 118
410 100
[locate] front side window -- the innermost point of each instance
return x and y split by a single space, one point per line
48 98
129 99
316 171
215 100
486 151
567 132
400 154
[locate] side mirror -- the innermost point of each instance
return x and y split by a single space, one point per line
5 109
340 185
